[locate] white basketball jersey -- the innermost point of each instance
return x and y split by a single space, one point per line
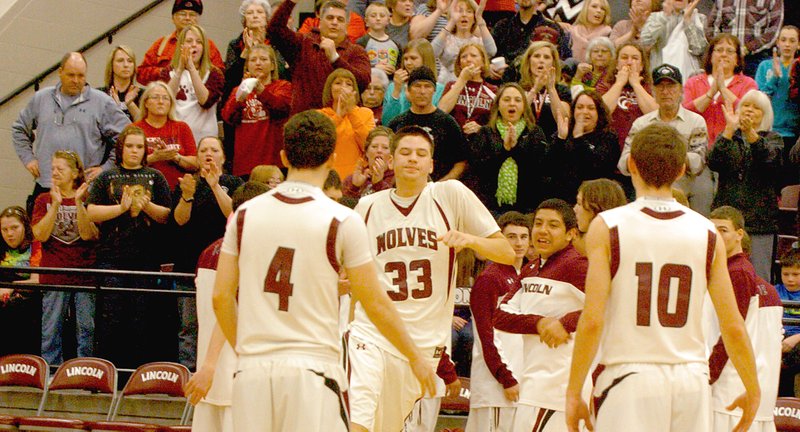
485 391
661 254
221 390
291 243
415 268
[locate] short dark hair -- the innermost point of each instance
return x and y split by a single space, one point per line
333 181
514 218
659 152
563 208
407 131
600 106
335 4
246 192
729 213
309 138
120 144
791 258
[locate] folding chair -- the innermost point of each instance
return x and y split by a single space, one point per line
163 380
79 376
787 414
18 371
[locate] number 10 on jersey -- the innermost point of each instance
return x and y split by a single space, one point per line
667 318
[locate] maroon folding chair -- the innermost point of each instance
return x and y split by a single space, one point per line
22 371
787 414
163 380
79 376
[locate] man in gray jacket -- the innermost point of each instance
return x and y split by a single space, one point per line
69 116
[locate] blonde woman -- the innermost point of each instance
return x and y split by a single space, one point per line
120 80
464 26
196 83
541 74
469 98
594 20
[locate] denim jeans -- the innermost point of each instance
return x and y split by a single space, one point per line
55 306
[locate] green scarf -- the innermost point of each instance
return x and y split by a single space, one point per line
508 176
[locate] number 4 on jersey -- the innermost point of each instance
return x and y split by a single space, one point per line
279 276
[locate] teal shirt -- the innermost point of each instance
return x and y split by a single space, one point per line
394 107
787 113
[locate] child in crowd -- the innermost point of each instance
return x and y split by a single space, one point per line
383 51
270 175
374 173
789 289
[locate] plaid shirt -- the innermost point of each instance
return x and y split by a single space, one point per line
755 22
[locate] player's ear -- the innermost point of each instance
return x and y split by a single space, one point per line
572 233
284 159
331 160
631 166
683 171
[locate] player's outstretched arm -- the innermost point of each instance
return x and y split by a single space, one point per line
365 288
224 298
590 325
198 386
495 247
734 336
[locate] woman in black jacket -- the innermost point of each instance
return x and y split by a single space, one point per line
584 147
508 154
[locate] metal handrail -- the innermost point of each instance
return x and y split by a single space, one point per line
98 275
34 82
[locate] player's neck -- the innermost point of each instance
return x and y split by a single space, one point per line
315 176
407 188
645 191
737 250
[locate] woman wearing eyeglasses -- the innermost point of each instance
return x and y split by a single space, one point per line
170 143
19 309
61 223
722 83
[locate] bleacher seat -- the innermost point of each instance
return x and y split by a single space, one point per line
162 380
79 376
22 371
787 414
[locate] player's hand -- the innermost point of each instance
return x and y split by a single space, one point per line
453 388
551 332
512 393
458 323
577 410
33 168
425 375
749 405
456 240
198 386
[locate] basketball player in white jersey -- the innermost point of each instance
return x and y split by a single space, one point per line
651 263
760 306
414 232
282 251
210 388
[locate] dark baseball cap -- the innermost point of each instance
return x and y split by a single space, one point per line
422 73
667 71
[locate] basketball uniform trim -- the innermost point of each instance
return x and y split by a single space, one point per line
451 262
662 215
334 387
239 229
598 400
289 200
614 246
366 217
330 244
542 419
405 211
712 244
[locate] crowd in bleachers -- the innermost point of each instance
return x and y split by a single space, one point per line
137 174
